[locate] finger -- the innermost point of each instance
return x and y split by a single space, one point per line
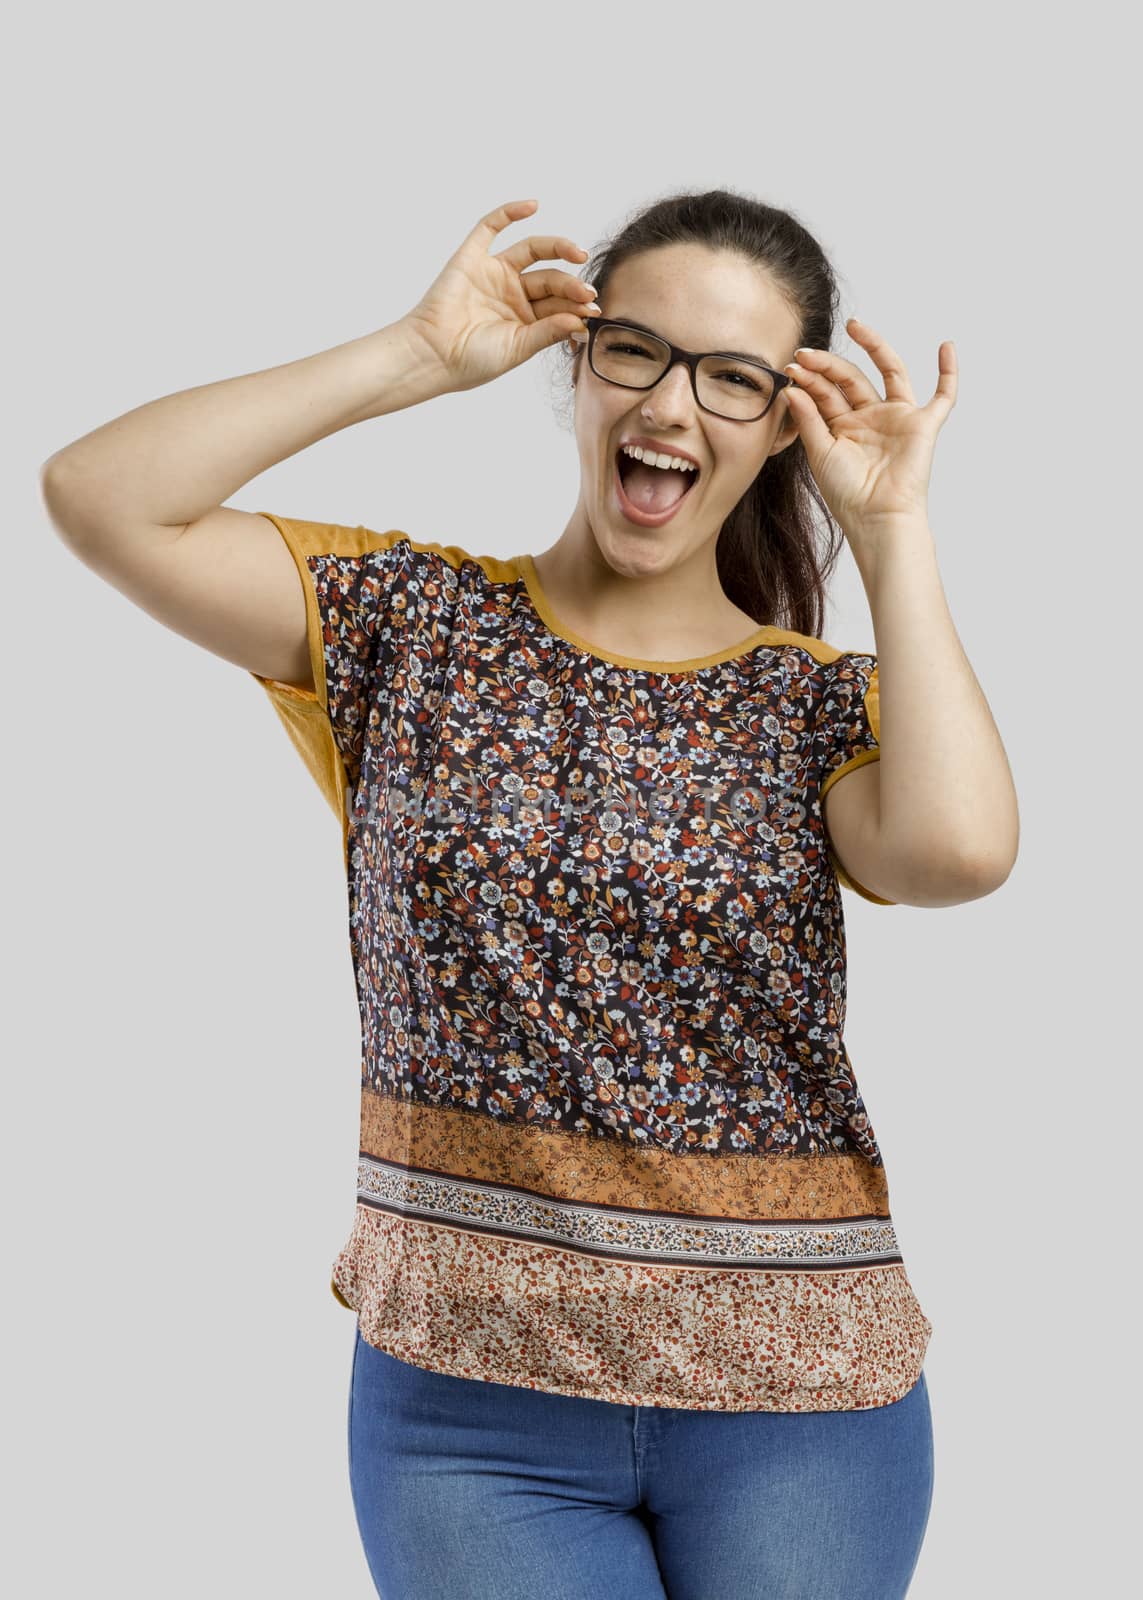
551 281
944 397
812 428
551 329
886 359
835 372
828 398
541 247
496 221
554 306
547 247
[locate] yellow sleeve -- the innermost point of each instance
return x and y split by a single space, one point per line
352 582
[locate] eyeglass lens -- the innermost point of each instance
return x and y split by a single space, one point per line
731 388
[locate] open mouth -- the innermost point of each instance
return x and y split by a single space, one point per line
652 492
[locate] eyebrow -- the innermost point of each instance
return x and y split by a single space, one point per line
736 355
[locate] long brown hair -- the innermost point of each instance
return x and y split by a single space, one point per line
772 560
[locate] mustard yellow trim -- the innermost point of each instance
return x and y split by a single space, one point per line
525 567
339 1297
305 712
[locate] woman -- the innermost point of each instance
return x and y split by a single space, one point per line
630 1311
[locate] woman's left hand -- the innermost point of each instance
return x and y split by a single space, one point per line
870 456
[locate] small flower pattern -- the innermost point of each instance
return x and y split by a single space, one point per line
612 1143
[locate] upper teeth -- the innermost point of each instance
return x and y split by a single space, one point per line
652 460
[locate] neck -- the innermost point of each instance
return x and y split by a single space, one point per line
639 595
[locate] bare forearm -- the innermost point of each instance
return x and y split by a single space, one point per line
173 459
946 789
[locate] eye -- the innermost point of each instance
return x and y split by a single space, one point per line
743 379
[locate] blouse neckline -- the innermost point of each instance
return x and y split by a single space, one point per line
541 606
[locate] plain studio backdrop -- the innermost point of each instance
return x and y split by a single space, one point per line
205 191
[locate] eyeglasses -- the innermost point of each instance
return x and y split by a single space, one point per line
728 386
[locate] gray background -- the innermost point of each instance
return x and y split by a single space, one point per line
201 193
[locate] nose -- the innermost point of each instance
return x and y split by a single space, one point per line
672 397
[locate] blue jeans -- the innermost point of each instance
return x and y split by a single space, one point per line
467 1490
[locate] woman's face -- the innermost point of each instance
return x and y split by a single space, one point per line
701 300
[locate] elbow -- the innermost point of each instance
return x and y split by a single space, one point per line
52 498
67 510
946 863
950 864
987 871
987 865
52 472
953 880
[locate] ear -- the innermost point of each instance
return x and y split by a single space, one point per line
785 435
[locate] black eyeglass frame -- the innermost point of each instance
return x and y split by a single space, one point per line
688 358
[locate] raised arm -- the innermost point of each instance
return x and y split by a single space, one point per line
139 500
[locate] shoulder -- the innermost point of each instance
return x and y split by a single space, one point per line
336 555
818 651
810 671
342 540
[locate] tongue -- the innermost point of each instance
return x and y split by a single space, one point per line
653 489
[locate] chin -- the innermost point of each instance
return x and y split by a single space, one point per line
640 552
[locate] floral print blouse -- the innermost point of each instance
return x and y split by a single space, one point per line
611 1143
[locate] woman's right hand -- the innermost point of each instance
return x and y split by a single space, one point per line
484 314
